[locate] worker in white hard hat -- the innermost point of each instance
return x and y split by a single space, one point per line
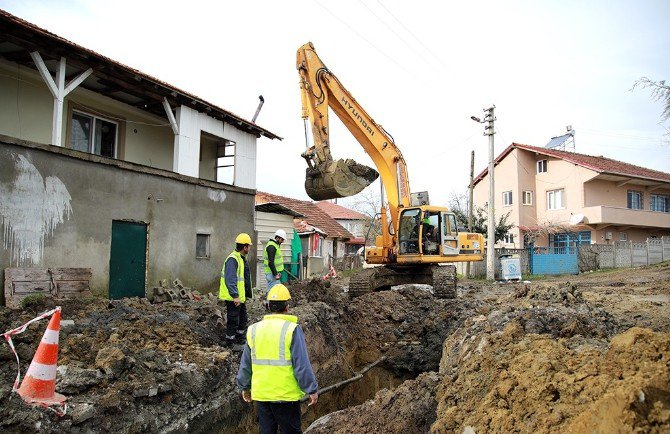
273 259
275 370
235 289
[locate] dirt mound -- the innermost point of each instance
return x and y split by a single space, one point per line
531 383
317 290
410 408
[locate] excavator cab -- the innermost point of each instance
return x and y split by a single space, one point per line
427 232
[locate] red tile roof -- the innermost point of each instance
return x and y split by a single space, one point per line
339 212
599 164
314 215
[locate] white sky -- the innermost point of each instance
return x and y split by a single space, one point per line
420 68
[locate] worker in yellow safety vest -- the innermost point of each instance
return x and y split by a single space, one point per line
235 288
273 260
275 370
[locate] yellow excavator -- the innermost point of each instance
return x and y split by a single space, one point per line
421 241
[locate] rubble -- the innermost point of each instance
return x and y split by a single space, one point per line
543 356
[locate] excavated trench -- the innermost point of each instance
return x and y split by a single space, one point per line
485 359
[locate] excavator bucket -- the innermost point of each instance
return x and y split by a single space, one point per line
340 178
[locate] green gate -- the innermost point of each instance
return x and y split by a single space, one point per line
127 260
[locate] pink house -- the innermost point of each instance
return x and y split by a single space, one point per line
564 198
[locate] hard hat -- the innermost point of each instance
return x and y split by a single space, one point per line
243 239
280 233
279 293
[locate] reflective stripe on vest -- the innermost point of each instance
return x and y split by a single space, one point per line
279 259
224 294
272 376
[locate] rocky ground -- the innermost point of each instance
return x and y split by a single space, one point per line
588 353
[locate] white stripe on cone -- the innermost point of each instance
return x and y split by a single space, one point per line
41 371
50 337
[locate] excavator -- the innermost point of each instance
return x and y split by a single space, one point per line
421 242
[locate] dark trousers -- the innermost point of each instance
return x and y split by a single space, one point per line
236 318
285 415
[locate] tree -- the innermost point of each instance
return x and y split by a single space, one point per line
458 205
659 92
369 204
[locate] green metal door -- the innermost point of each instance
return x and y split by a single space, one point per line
127 260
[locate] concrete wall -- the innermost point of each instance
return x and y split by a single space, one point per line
57 208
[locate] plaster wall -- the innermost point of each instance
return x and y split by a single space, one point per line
27 113
70 200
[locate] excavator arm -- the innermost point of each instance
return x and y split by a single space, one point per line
326 178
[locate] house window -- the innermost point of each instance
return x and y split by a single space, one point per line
225 162
635 199
541 166
623 236
507 198
509 239
202 246
527 197
93 134
556 199
659 202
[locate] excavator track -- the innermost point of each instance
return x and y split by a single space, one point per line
442 278
444 281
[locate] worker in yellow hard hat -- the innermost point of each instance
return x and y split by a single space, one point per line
235 288
275 370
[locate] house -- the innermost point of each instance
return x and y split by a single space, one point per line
353 221
322 237
557 198
270 217
108 168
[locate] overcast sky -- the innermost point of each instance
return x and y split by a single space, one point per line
419 68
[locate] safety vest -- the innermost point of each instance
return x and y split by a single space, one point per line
272 377
224 294
279 260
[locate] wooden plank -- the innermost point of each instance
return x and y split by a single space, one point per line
57 282
68 288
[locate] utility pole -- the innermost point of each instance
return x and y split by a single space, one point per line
470 204
489 130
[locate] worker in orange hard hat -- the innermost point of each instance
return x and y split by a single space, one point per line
235 288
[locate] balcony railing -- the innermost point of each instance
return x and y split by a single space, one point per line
625 216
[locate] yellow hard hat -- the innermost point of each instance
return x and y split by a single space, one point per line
279 293
243 239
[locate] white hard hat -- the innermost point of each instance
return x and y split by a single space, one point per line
280 233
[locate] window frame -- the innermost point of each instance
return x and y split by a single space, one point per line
550 202
654 200
94 117
629 199
529 194
623 236
541 164
207 245
507 195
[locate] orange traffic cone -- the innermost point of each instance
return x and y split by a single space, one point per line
39 385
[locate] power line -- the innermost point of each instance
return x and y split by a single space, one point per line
412 34
394 32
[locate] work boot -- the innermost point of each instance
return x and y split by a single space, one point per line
229 341
240 338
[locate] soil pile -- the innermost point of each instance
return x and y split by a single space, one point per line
550 356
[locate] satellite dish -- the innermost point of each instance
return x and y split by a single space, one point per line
576 219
